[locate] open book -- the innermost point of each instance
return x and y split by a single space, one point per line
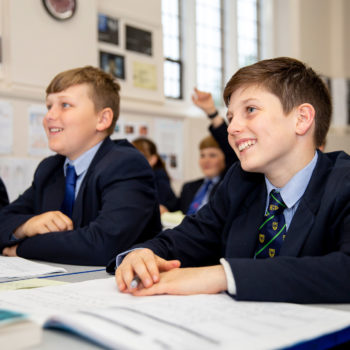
96 311
17 331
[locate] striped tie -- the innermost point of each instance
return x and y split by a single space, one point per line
273 230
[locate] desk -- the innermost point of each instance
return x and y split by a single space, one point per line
53 340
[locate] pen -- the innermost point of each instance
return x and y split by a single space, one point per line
135 282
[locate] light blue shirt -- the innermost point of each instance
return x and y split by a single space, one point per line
81 165
293 190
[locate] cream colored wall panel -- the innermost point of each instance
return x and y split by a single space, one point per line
41 46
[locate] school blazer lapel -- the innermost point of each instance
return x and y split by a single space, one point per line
243 235
78 209
305 216
53 193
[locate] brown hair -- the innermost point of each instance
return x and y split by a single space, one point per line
293 82
104 90
208 142
149 148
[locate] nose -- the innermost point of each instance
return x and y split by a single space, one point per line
235 126
51 113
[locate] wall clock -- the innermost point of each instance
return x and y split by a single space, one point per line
60 9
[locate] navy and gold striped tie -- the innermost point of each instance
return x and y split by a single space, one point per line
273 230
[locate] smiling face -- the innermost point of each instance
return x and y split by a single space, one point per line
211 161
71 124
262 135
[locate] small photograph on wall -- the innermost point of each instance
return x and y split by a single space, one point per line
138 40
113 64
108 29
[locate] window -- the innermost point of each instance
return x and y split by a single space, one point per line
247 31
209 48
171 47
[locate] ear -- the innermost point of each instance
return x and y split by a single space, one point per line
152 160
305 118
105 118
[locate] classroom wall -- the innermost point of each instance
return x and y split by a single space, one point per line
35 47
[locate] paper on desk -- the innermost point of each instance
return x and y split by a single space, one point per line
28 284
15 267
175 322
171 220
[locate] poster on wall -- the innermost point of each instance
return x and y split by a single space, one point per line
138 40
17 174
37 140
112 64
145 75
169 141
6 127
130 130
108 29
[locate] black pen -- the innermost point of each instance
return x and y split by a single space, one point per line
135 282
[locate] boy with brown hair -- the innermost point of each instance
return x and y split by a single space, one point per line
94 198
278 227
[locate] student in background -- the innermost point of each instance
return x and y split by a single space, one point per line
94 198
195 194
278 227
218 127
4 199
166 196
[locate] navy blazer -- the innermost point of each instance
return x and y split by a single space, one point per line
314 262
4 199
115 208
165 193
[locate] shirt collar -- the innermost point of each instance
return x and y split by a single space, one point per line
83 162
296 186
214 180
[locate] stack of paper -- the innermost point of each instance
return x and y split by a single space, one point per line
12 268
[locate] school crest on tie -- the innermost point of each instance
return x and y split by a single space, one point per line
273 207
261 238
272 252
275 225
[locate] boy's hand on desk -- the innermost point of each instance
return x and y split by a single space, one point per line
10 251
50 221
144 264
186 281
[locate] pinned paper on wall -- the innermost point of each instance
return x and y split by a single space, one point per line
169 140
6 127
37 144
145 75
17 174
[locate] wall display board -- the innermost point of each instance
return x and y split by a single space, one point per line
108 29
113 64
132 53
138 40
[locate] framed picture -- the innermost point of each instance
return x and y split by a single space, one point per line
108 29
112 64
138 40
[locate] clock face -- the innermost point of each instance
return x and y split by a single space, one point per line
60 9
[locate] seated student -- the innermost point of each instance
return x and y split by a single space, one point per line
4 199
94 198
166 196
278 227
195 194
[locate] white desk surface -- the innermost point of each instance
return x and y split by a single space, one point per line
57 340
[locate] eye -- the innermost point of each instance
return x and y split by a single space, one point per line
251 109
65 105
48 107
